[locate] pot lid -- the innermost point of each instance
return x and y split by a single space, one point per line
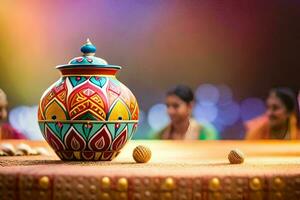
88 59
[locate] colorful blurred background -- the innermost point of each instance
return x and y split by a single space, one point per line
230 52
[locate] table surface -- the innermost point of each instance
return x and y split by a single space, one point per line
180 170
171 158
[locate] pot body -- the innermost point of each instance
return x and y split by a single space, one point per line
88 116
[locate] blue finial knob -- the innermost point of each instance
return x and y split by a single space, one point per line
88 49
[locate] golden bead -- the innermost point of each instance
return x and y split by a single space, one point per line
147 193
42 193
167 196
236 156
255 184
137 196
216 196
214 184
278 183
80 186
44 182
168 184
141 154
93 189
183 197
105 182
122 196
105 196
278 195
122 184
197 195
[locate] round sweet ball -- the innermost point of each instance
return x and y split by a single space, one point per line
236 156
141 154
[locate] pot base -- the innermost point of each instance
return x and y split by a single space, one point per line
87 155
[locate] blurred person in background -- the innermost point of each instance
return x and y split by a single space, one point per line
6 131
281 120
179 102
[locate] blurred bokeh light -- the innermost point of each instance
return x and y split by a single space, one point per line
251 108
157 117
207 94
230 53
205 113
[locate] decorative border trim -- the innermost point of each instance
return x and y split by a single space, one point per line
29 185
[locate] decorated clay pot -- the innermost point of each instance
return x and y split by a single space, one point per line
88 114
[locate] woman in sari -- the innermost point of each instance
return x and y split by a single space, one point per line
281 120
179 102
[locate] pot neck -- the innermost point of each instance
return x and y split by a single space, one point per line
88 71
